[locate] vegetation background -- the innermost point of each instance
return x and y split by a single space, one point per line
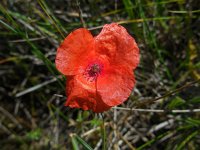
165 100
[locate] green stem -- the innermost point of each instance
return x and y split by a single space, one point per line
103 133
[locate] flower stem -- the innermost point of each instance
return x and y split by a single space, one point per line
103 133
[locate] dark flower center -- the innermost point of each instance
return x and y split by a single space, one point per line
92 71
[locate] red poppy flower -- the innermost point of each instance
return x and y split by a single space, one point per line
99 69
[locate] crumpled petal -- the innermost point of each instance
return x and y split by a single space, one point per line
99 69
115 42
73 51
115 85
82 94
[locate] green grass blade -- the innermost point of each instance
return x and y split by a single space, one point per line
103 134
187 139
50 16
129 7
8 26
74 142
152 141
82 142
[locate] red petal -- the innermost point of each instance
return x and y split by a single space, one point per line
115 42
82 94
115 86
74 50
101 106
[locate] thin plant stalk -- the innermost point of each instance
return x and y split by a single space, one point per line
103 133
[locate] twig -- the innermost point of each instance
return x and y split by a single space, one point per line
5 129
80 14
35 87
95 28
31 39
162 125
141 20
87 133
124 139
10 116
58 95
158 110
98 145
145 102
103 132
28 114
115 125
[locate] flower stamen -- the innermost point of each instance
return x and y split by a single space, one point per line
92 71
